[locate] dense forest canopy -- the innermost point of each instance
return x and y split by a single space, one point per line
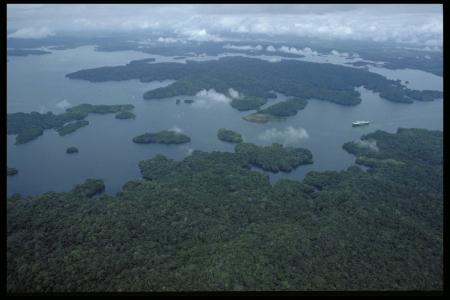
162 137
209 222
255 78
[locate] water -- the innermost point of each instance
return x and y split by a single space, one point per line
107 152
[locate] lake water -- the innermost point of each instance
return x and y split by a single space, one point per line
37 83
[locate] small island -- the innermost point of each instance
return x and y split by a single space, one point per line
177 102
12 171
123 115
189 101
71 127
261 118
71 150
274 158
277 112
229 136
162 137
89 188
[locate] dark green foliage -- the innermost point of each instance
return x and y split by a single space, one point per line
255 78
71 127
71 150
25 52
29 126
89 188
248 103
162 137
229 136
28 134
274 158
209 223
100 109
125 115
286 108
12 171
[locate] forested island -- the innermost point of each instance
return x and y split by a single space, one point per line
72 150
229 136
278 111
209 222
162 137
29 126
123 115
254 80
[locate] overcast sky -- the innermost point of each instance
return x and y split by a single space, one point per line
416 23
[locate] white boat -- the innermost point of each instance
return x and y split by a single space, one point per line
360 123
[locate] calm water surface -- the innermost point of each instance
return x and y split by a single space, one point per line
37 83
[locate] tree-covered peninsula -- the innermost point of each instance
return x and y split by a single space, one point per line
255 78
229 136
29 126
71 127
162 137
210 223
26 52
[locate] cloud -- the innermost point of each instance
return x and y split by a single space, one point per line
199 35
248 47
341 54
167 40
305 51
292 50
370 144
406 23
206 98
288 136
31 33
233 93
63 104
176 129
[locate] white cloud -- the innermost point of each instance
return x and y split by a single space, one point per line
288 136
167 40
292 50
206 98
341 54
247 47
176 129
31 33
63 104
410 23
233 93
199 35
